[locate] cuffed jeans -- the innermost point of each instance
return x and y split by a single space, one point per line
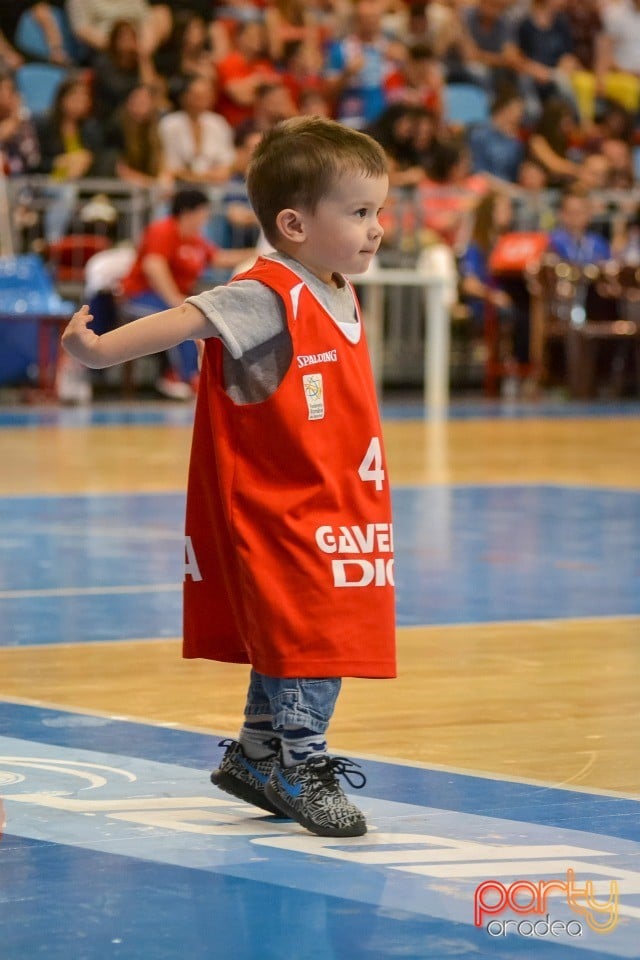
293 702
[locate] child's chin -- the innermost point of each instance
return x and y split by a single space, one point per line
362 264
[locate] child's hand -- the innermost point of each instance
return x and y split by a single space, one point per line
79 341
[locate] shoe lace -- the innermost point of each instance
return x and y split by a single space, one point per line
327 769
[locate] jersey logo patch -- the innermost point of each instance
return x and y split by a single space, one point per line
314 394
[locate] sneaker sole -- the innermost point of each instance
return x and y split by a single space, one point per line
320 830
242 791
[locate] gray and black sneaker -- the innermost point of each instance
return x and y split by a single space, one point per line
309 792
245 778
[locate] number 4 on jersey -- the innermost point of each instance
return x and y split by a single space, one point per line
371 468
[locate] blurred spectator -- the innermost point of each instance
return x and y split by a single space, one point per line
242 71
69 134
167 12
550 141
416 31
611 63
19 147
450 193
91 22
395 131
71 148
359 64
534 210
42 12
273 103
238 226
612 121
230 17
197 143
627 241
187 48
395 19
443 26
585 25
572 240
426 136
543 54
10 58
496 146
418 81
302 69
618 53
594 173
171 255
132 137
619 154
615 71
506 295
332 17
312 103
289 21
118 68
485 35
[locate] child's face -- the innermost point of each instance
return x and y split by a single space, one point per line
343 234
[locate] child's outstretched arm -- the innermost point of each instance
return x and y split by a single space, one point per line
152 334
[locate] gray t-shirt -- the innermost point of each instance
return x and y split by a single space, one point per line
250 319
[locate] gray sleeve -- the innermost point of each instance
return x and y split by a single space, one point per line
245 314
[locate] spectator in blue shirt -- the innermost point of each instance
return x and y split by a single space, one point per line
359 64
572 240
495 145
543 54
486 32
482 291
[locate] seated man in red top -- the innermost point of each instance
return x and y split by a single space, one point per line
172 255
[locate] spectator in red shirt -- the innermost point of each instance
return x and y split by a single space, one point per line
242 71
419 80
302 69
172 255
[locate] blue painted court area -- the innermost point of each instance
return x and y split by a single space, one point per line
116 845
86 568
402 408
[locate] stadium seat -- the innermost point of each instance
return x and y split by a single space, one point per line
31 41
464 103
31 313
38 84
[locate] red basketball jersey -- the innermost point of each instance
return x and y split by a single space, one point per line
289 548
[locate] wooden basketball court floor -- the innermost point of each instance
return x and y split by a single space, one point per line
506 751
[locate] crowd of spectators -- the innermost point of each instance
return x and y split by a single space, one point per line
168 94
165 92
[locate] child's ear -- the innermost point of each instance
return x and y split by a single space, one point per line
291 225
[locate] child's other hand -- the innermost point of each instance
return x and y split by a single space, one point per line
79 341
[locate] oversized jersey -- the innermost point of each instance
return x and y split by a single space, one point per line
289 541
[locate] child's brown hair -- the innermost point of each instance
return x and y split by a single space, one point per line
297 162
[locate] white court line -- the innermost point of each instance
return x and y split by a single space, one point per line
88 591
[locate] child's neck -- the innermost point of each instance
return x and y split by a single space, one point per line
326 276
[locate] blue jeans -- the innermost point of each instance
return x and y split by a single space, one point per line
184 357
293 702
